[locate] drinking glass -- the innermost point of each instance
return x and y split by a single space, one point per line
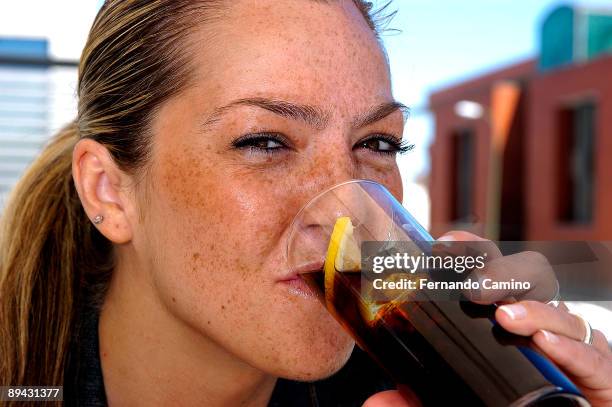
440 350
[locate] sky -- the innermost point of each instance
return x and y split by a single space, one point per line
440 42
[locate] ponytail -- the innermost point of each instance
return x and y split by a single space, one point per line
47 249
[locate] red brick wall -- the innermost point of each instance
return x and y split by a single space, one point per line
537 130
442 104
447 122
549 93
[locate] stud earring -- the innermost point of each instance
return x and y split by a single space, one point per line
97 219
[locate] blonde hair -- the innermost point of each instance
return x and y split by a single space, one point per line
50 253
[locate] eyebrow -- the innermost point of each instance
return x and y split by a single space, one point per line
312 115
379 112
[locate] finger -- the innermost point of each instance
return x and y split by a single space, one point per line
541 316
389 398
600 342
507 300
528 317
562 306
579 360
525 275
458 242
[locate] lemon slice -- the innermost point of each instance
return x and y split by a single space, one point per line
343 254
348 255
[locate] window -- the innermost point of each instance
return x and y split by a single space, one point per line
575 163
462 168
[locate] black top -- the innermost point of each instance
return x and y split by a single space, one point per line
350 387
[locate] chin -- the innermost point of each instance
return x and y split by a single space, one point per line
312 367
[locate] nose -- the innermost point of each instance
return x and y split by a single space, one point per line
313 224
330 167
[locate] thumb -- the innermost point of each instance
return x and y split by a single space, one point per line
389 398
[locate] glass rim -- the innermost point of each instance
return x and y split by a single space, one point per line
315 198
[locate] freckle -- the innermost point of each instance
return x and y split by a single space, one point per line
196 256
173 299
223 307
208 322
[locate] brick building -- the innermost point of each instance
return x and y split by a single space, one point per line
525 152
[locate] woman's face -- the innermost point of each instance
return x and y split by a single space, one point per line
288 98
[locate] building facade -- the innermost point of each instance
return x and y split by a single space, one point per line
37 97
525 153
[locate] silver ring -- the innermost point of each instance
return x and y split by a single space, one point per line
588 336
556 299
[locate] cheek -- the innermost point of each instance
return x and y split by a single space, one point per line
199 224
390 178
393 182
224 241
201 196
217 233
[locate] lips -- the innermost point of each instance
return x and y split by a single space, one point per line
297 284
302 269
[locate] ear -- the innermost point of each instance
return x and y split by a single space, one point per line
104 190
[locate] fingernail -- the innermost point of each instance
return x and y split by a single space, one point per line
514 311
550 337
446 240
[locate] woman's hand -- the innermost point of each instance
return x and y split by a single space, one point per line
559 335
554 330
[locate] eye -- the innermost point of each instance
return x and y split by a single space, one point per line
267 143
384 144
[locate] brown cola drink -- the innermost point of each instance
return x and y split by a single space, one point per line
446 352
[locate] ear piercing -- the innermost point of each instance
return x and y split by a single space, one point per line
98 219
